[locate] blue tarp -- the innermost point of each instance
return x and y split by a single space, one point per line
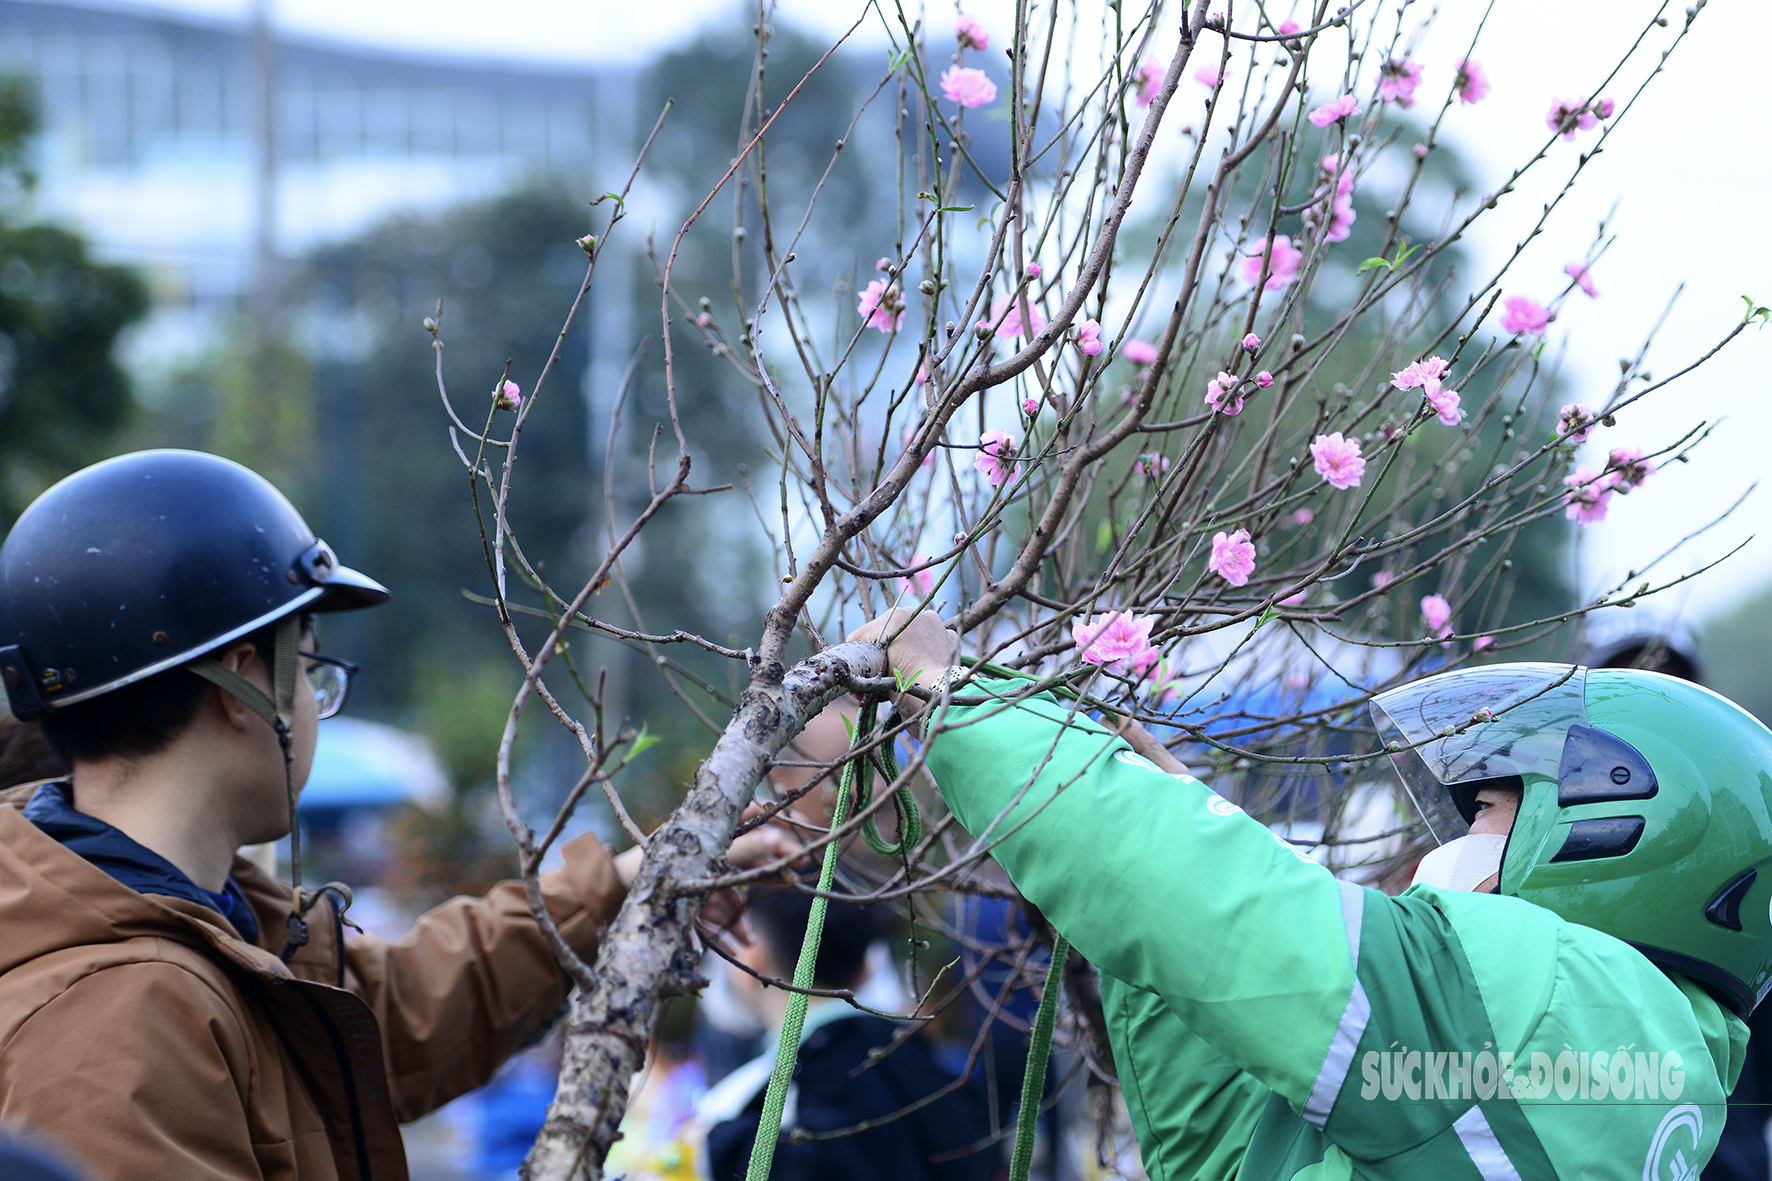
362 764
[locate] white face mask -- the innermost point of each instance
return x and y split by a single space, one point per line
1463 864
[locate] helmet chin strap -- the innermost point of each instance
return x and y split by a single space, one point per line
279 714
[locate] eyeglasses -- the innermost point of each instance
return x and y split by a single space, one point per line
330 679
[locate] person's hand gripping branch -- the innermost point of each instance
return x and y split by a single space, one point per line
920 651
923 651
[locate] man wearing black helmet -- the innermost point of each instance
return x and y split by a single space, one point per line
166 1008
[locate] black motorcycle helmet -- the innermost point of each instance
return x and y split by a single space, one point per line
147 561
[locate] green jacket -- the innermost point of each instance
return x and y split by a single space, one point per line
1270 1021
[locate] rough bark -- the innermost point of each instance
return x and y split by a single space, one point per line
645 955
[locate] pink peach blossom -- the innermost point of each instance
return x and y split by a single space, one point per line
967 86
1567 115
1578 271
1163 687
1146 81
1089 338
1138 352
1287 28
1523 314
1005 318
1482 643
1437 613
1151 466
1233 557
1145 660
1418 373
1629 468
1382 579
1223 395
1030 406
1033 270
970 34
1339 208
1264 379
921 582
1338 460
996 458
1281 271
1303 516
1397 81
1332 112
508 396
1473 83
881 306
1209 76
1589 494
1116 640
1252 342
1444 401
1575 422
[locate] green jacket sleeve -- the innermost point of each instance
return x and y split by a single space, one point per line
1161 883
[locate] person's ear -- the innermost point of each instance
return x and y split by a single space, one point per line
237 713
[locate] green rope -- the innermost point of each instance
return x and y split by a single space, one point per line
910 818
1033 1080
788 1047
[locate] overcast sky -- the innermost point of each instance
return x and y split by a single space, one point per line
1690 172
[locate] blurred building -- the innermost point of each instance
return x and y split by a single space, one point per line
201 149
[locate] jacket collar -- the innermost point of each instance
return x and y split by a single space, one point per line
51 808
51 898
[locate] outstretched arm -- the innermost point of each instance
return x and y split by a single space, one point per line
474 978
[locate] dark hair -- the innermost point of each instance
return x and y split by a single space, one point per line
1657 656
132 722
141 719
779 917
25 754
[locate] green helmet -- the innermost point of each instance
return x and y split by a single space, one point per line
1645 807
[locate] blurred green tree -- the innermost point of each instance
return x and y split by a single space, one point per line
1737 653
63 397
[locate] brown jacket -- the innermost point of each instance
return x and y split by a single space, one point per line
141 1031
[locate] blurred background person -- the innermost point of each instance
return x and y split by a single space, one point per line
1642 637
728 1033
839 1081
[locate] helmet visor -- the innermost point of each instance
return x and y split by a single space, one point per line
1460 730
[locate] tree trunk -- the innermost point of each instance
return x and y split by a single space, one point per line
647 954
